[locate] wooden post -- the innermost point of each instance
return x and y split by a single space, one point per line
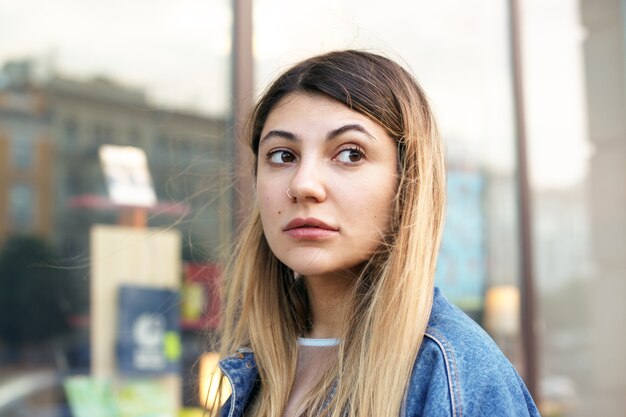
529 333
133 217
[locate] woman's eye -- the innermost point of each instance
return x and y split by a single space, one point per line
350 156
280 157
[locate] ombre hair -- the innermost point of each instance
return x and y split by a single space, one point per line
390 303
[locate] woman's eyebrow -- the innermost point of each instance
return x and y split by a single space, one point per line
346 128
331 135
281 134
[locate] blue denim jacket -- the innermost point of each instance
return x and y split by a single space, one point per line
459 371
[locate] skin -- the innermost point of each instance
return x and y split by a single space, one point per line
340 168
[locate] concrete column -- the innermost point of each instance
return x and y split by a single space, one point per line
605 67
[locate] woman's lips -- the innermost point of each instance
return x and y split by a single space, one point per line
309 229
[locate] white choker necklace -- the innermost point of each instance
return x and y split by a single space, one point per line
307 341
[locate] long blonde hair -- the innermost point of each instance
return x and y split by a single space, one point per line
266 308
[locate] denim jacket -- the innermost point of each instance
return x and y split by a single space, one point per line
459 371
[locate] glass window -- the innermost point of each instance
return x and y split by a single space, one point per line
22 148
134 137
160 78
21 207
70 136
577 147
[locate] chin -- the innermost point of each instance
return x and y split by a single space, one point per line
313 261
310 270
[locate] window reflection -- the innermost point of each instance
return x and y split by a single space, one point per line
62 96
57 106
21 207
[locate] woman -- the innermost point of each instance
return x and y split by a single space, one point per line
331 306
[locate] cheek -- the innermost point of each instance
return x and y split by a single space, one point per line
371 201
380 213
263 193
269 206
264 202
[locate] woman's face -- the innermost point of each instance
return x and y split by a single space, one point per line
326 179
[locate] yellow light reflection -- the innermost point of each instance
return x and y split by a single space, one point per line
502 310
211 394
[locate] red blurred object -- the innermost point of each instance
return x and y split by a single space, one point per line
201 296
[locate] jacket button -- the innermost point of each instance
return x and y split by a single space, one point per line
240 355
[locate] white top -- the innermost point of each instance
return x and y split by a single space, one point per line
314 355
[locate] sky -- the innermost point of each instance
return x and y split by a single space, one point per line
179 52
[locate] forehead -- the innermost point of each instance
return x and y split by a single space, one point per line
309 111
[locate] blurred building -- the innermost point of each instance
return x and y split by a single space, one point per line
502 230
51 183
562 232
26 157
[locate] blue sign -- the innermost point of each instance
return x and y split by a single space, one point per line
461 268
148 330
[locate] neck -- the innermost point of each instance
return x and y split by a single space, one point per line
328 300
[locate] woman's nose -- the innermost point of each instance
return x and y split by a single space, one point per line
307 183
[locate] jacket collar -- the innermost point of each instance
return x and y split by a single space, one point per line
242 373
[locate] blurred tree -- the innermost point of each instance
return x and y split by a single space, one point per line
37 293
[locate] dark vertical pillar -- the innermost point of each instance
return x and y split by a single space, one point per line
529 334
243 95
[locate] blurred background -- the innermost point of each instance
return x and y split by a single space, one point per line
108 301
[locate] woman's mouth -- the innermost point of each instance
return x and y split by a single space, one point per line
309 229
